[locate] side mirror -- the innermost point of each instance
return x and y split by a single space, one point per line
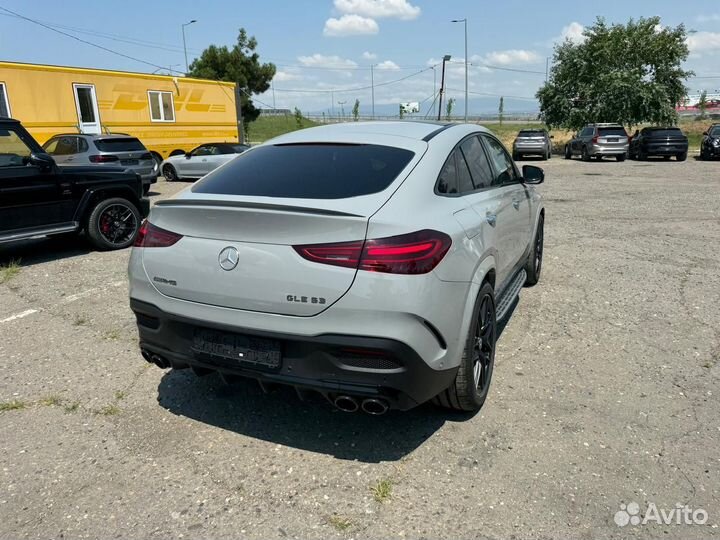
533 174
705 132
187 155
42 161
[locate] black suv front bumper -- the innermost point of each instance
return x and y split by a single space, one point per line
331 364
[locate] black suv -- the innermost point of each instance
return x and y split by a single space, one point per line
659 141
710 145
38 198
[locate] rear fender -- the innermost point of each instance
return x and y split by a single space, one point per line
98 193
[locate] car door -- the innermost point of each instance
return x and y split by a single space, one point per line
211 160
513 222
63 148
192 165
29 196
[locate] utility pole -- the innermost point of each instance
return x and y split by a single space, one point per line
446 58
434 82
332 102
272 85
466 66
342 109
547 68
372 86
187 68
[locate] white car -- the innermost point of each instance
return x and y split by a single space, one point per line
367 261
200 161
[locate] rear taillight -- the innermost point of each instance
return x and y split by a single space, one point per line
595 139
103 159
146 156
150 236
414 253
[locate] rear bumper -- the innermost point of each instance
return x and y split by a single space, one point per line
665 149
149 178
530 149
331 364
602 150
144 207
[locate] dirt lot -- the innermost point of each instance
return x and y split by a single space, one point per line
605 392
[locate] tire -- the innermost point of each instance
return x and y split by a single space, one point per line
703 154
516 156
620 157
113 224
641 155
169 172
464 394
568 152
533 266
585 155
681 157
549 153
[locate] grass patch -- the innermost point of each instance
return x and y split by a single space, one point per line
9 270
340 523
51 401
112 335
80 320
382 491
108 410
71 407
13 405
119 394
267 127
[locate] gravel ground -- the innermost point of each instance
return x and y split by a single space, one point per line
605 392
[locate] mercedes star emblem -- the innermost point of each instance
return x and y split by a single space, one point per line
229 258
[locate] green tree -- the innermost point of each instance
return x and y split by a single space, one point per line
703 104
402 112
240 65
298 118
629 73
501 109
449 108
356 110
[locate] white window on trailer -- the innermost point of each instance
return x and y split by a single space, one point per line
4 103
162 107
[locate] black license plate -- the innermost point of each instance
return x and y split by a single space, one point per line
236 350
128 162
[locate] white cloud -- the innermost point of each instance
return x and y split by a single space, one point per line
573 32
511 56
703 41
400 9
713 17
350 25
281 76
369 56
388 64
321 60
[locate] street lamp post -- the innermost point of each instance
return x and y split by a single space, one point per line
187 68
466 65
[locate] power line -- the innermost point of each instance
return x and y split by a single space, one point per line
487 94
355 89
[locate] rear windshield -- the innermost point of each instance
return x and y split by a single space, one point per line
715 132
531 133
129 144
308 171
612 132
669 132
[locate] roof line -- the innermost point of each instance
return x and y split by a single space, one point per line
431 135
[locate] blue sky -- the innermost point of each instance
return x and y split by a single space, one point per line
324 45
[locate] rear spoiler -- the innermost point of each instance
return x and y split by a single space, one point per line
255 205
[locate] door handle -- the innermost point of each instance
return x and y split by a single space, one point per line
491 219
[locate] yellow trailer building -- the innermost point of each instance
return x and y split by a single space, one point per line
170 115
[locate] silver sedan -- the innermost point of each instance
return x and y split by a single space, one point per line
200 161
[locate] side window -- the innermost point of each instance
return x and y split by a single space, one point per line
501 162
200 151
465 181
161 106
65 146
587 131
82 145
13 150
213 151
50 146
477 160
447 181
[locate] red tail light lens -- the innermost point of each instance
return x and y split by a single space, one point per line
150 236
103 159
414 253
146 156
595 139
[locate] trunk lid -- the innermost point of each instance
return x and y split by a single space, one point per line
258 234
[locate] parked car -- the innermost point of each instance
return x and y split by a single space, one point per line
710 144
324 259
105 150
38 198
200 161
659 141
532 142
598 141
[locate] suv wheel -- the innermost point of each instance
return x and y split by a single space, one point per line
568 152
549 153
533 266
472 382
620 157
585 155
168 171
681 157
113 224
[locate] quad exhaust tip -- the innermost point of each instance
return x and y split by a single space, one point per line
375 407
